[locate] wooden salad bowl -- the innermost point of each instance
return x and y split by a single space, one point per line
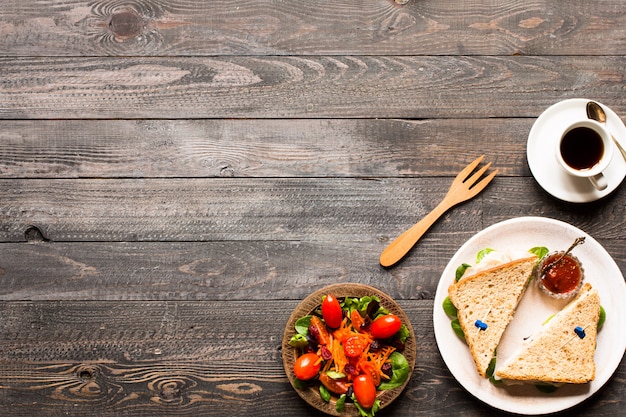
289 354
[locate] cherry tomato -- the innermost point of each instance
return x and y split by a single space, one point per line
385 326
337 386
307 366
354 346
319 331
364 390
357 320
331 311
370 369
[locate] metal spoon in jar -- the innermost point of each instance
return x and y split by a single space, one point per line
595 112
578 241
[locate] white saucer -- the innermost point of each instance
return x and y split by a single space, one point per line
544 166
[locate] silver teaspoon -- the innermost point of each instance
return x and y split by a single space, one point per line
595 112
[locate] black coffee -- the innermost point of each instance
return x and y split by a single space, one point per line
582 148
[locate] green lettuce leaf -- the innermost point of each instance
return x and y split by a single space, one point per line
302 325
400 372
540 251
456 326
449 308
602 317
481 254
339 404
365 412
298 341
460 271
324 393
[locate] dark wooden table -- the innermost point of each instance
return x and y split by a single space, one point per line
175 176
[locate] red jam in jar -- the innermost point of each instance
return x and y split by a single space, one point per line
560 278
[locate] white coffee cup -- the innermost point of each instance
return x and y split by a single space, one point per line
585 150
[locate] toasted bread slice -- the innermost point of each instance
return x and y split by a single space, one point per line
486 303
563 350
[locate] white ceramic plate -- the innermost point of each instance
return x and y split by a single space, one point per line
544 134
521 234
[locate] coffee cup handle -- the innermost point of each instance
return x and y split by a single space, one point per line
599 181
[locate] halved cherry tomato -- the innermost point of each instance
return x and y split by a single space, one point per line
353 346
385 326
357 320
331 311
319 331
364 390
337 386
370 369
307 366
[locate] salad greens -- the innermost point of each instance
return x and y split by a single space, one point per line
324 393
399 372
363 305
540 251
602 317
460 271
482 253
302 325
366 412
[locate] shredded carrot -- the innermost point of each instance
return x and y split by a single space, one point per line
319 360
339 357
326 366
384 354
379 358
344 331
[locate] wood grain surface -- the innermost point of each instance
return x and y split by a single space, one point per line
270 27
310 87
176 176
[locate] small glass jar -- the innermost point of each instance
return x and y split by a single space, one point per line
559 278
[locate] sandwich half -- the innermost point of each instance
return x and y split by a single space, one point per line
562 351
486 303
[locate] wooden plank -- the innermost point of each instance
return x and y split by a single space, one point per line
218 27
304 87
183 358
256 148
214 270
307 209
341 209
184 271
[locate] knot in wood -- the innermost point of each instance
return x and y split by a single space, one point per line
86 372
34 234
126 25
170 392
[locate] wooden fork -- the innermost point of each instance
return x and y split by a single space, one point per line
462 189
